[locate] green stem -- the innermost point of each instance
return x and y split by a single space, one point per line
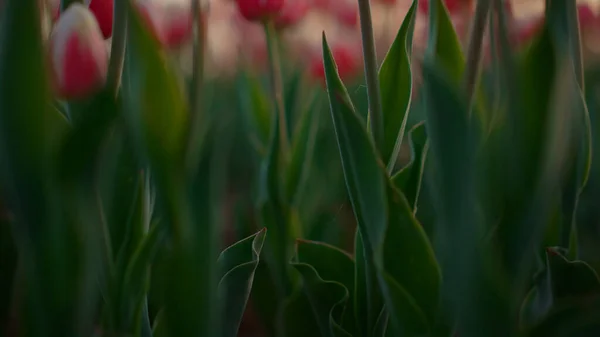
371 73
193 147
474 50
276 84
117 51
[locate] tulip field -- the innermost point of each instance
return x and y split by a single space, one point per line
299 168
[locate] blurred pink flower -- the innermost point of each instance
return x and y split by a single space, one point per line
171 23
259 10
292 12
452 5
78 54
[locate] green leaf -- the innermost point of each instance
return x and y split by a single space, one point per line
136 278
156 105
395 81
328 300
571 320
561 282
443 46
367 295
365 180
237 265
303 144
297 316
412 274
331 264
409 178
471 275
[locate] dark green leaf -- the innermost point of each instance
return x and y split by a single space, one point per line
328 300
365 179
409 178
331 264
443 46
395 81
367 295
561 282
409 261
237 265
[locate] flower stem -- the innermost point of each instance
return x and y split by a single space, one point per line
193 147
474 51
371 73
117 51
276 83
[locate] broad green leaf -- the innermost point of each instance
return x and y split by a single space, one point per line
156 105
443 46
381 326
303 144
365 180
328 300
471 276
409 261
409 178
562 281
362 168
395 81
331 264
237 265
444 50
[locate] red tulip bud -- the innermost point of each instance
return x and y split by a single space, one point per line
103 11
259 10
292 12
171 25
452 5
78 53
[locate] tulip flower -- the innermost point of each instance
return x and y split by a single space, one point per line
103 11
292 12
260 10
171 24
78 53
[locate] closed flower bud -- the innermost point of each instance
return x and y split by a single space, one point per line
103 11
260 10
171 24
78 54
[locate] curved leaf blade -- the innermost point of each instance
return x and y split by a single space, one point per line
395 81
409 178
237 265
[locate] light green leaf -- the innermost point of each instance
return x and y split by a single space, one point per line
395 81
156 105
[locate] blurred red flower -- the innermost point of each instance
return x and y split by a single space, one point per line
259 10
